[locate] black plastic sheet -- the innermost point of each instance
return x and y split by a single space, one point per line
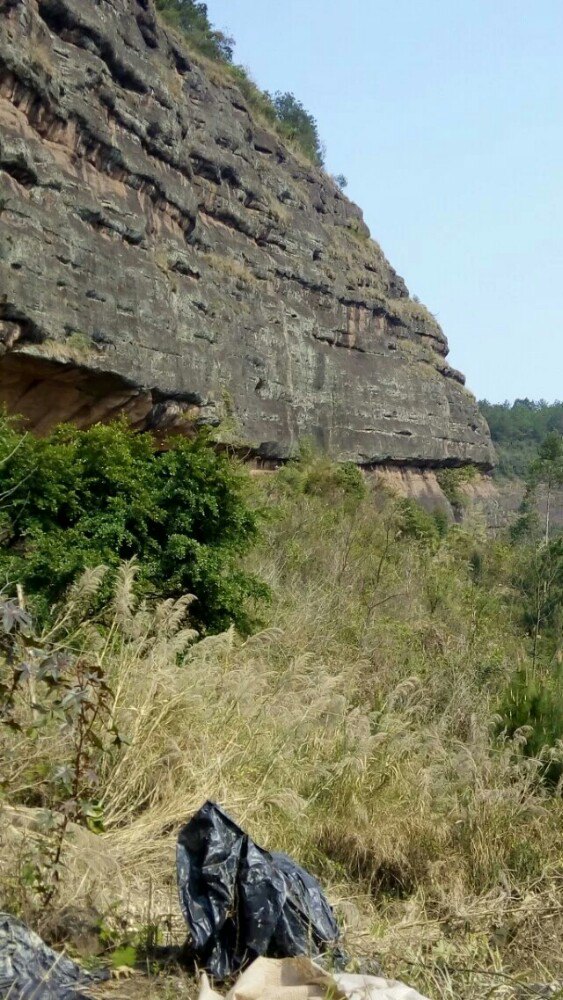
240 901
30 970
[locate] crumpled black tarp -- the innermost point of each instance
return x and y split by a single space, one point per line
240 901
30 970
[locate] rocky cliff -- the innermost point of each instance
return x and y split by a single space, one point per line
163 254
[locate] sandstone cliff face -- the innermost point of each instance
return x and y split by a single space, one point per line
162 254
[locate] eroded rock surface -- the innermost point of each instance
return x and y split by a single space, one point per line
162 252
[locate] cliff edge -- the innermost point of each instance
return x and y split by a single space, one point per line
163 254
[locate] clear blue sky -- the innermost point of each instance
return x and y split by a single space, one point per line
446 116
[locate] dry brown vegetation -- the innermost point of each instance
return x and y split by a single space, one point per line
232 267
357 731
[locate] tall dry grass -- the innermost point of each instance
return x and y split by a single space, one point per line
357 731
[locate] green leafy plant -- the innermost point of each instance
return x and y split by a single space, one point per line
312 472
546 471
78 499
299 124
539 575
452 481
191 17
532 705
415 522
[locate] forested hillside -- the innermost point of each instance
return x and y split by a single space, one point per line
517 430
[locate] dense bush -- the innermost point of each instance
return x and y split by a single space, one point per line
416 522
532 705
540 582
533 700
77 499
451 482
299 125
315 474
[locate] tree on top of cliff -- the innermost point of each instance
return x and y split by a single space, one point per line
299 125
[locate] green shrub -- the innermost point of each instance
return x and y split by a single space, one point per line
539 578
77 499
190 17
315 474
451 482
424 526
327 479
299 125
533 703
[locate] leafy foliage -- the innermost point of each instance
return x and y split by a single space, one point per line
533 701
451 482
547 467
314 474
191 17
415 522
299 125
518 429
540 582
77 499
258 99
533 707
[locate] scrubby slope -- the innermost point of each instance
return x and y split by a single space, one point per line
355 731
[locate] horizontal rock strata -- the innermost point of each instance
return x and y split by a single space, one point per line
163 253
